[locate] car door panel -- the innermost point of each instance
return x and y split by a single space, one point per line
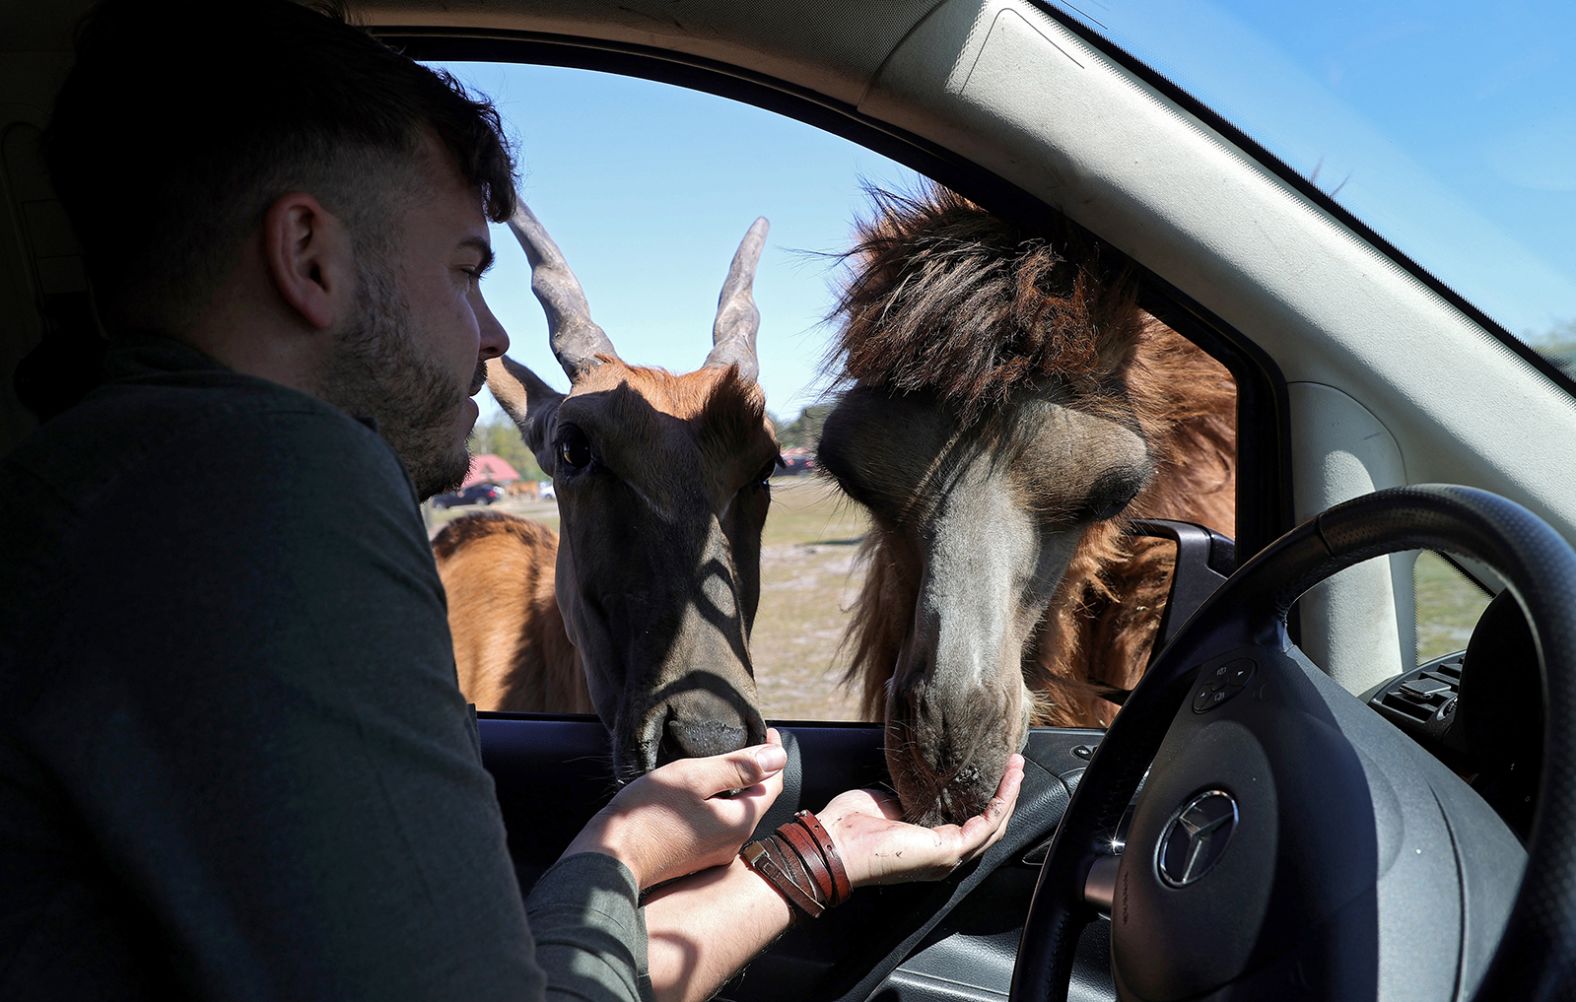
949 940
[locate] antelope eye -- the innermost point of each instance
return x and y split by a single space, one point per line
767 471
574 450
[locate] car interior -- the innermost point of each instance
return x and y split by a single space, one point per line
1401 829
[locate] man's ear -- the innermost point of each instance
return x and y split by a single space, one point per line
310 259
530 403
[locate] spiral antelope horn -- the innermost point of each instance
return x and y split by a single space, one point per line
576 339
733 332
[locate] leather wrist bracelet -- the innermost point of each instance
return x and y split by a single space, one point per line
842 887
764 856
802 863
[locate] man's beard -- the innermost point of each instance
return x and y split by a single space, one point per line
377 370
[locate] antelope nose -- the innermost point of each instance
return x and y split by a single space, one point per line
698 738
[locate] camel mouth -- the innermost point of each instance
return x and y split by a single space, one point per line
943 781
648 737
642 751
627 769
945 800
932 793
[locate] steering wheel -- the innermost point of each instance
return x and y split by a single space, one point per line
1289 843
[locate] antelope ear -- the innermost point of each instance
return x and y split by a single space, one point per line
529 402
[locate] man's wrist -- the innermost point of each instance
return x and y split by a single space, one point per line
705 927
602 836
769 903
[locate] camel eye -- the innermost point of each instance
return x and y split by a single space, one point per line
1109 509
574 451
1111 496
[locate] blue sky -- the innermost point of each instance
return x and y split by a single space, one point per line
1449 127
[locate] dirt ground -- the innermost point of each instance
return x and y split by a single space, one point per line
809 576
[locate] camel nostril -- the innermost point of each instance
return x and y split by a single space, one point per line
699 738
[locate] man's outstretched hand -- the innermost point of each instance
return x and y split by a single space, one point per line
705 927
687 815
878 847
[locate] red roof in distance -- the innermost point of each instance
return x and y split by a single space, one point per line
488 468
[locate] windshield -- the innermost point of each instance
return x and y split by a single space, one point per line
1449 128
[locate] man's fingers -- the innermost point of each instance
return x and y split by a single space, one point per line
986 828
741 769
1011 777
755 800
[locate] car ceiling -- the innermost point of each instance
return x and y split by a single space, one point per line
1007 86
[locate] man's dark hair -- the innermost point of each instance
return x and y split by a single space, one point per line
181 122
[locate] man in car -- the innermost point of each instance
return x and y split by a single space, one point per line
234 761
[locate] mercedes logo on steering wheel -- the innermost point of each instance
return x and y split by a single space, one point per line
1194 840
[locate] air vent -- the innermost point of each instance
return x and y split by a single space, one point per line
1424 699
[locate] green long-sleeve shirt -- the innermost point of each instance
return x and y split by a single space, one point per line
234 760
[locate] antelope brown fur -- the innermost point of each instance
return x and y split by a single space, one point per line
509 639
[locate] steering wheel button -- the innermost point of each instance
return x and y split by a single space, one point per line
1212 694
1238 672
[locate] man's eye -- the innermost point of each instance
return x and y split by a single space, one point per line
574 450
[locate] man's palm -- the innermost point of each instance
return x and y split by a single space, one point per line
878 847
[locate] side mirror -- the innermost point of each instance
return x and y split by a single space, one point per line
1204 560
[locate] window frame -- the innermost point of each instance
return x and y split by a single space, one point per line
1264 495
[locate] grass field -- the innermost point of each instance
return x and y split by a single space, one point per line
810 575
1448 605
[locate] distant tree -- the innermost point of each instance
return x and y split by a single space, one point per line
500 437
804 431
1557 344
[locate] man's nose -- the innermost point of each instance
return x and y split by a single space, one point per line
494 339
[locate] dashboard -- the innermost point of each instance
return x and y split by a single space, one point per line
1479 711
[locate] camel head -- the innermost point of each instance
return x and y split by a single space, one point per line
987 426
974 527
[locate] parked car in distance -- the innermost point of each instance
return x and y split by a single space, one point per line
795 462
474 494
